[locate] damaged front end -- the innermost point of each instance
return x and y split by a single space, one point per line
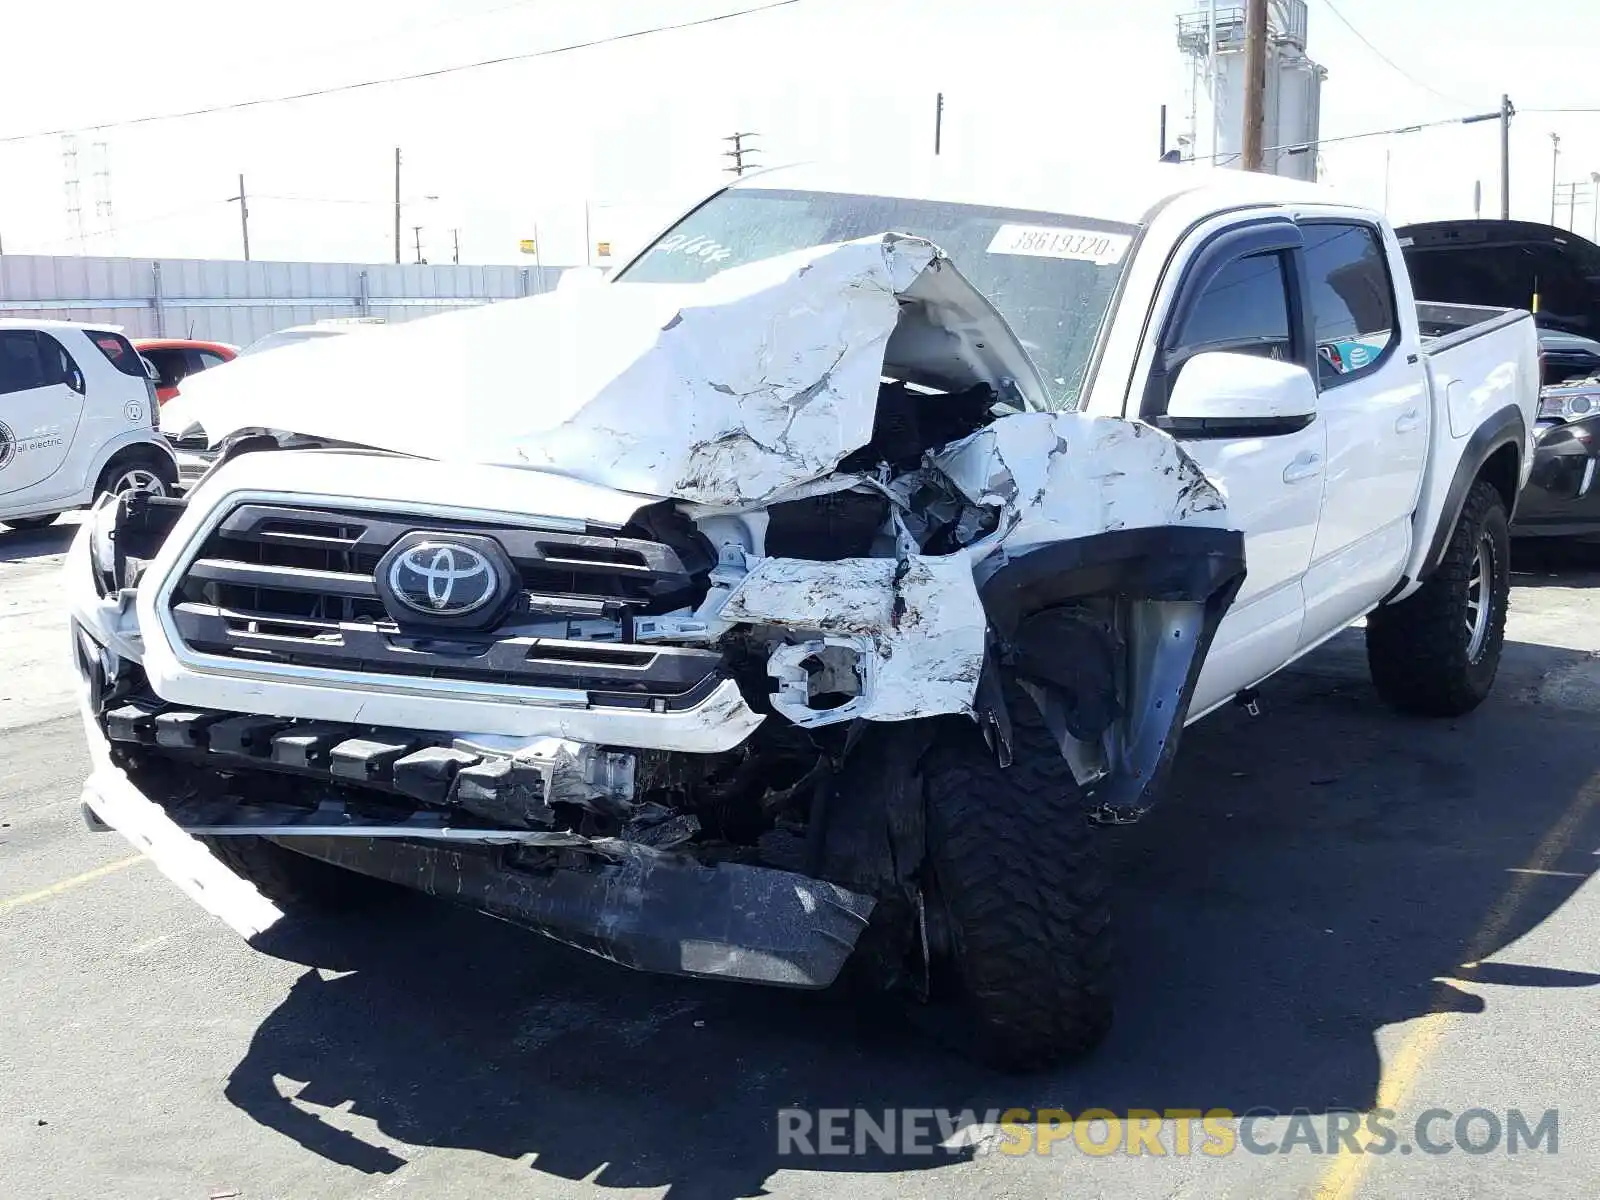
766 533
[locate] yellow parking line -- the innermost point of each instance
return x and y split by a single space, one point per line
55 889
1347 1171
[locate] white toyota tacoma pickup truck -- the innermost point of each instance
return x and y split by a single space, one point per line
811 589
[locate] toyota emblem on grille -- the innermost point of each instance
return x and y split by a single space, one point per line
443 579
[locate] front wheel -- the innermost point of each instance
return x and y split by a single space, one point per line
1436 652
1018 891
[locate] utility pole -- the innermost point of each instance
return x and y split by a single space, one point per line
244 218
1477 199
397 204
455 254
1255 83
416 231
738 152
938 123
1506 111
1555 165
1163 133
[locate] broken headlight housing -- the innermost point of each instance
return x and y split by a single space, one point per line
125 532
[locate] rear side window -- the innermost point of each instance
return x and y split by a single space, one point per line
171 366
207 358
118 350
1245 309
1352 299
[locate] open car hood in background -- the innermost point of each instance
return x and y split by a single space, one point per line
1507 264
728 392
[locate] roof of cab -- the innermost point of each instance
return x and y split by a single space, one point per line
1081 187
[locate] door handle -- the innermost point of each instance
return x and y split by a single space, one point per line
1306 466
1408 420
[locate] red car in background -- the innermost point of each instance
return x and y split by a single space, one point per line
175 359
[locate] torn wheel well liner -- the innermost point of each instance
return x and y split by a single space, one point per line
1181 582
1158 563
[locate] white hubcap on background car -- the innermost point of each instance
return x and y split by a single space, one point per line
136 478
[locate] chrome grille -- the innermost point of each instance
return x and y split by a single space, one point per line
296 585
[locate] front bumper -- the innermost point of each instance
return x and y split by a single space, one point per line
1562 498
627 902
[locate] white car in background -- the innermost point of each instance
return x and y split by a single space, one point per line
329 327
178 424
78 417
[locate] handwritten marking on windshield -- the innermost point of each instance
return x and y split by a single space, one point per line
698 247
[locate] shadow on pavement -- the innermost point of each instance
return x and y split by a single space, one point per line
1311 875
22 545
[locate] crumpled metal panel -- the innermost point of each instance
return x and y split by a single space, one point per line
917 624
725 393
1058 476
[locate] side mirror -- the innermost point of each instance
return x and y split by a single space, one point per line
1227 394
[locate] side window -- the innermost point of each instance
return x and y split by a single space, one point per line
1245 309
207 358
1352 299
171 366
55 362
21 365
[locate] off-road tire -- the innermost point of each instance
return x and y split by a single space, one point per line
1419 650
1017 880
294 882
21 524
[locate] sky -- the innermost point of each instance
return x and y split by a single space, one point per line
620 137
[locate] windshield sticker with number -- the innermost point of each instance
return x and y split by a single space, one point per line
1042 241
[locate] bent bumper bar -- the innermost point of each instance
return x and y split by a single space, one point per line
646 910
651 912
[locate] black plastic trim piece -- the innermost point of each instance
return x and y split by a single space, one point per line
1202 428
650 911
1504 428
1164 563
1158 563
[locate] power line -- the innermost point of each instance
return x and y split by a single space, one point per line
322 200
143 221
409 77
1574 109
1305 147
1394 66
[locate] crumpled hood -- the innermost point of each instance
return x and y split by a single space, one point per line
728 392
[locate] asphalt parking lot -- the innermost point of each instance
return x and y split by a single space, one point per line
1335 909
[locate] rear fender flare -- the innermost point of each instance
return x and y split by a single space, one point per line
1505 427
